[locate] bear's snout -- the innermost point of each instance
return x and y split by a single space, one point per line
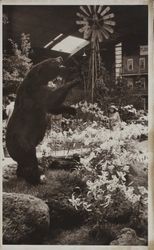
59 59
62 67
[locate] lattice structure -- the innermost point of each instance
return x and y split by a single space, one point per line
97 25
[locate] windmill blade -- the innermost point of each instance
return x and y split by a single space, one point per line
81 15
108 28
87 33
82 22
108 16
81 30
112 23
100 9
105 33
94 7
89 8
84 17
82 8
105 11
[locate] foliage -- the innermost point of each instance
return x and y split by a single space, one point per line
79 134
5 19
110 193
128 113
102 190
112 91
16 66
108 166
106 184
89 111
55 192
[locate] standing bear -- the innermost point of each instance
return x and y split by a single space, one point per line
27 125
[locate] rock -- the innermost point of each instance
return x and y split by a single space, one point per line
25 219
128 237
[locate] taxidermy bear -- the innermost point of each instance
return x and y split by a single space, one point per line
27 125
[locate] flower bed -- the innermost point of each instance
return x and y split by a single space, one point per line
108 188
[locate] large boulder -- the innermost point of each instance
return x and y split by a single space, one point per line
26 219
128 237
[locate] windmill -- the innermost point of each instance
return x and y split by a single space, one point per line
96 25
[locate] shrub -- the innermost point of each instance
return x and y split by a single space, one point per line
16 66
110 195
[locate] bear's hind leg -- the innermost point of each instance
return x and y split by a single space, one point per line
19 171
28 168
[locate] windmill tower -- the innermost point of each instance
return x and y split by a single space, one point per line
96 25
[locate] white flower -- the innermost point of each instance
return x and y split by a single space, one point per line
121 175
126 168
94 187
76 202
143 190
43 179
130 195
87 206
107 201
111 167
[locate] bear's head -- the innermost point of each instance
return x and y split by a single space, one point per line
46 71
50 68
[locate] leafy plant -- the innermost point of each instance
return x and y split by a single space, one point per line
16 66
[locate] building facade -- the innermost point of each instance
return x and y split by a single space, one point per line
135 72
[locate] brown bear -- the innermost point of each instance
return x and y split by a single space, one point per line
27 125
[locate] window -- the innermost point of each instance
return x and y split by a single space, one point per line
118 60
142 63
130 64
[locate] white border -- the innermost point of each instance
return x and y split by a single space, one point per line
1 131
77 2
151 118
151 126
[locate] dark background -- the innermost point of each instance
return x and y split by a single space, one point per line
43 23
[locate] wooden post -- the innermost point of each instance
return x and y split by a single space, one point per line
93 74
99 57
96 64
85 89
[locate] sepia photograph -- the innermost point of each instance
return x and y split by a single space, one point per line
75 124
